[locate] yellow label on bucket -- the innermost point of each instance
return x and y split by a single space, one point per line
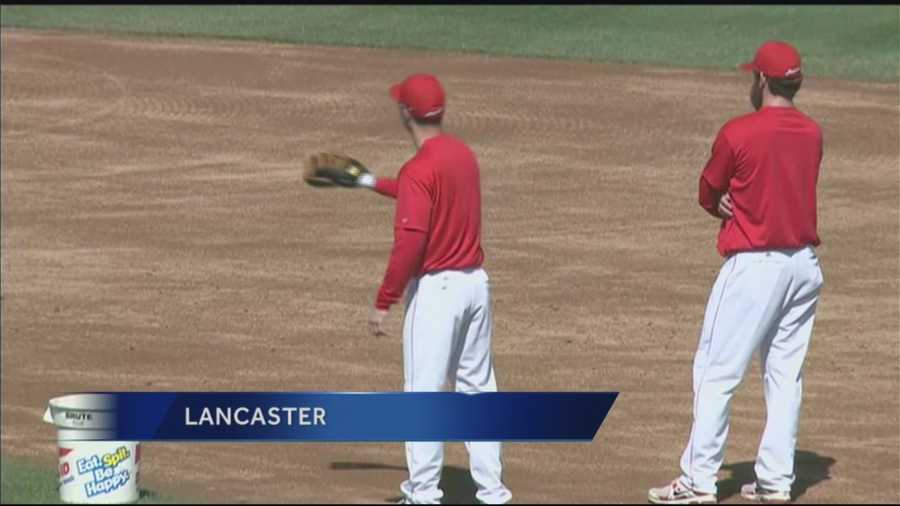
113 459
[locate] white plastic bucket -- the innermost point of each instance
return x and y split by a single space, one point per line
92 472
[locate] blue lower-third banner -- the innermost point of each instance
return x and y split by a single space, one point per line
336 417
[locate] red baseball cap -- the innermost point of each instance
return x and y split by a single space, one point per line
422 94
776 59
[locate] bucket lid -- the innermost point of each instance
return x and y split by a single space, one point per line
82 412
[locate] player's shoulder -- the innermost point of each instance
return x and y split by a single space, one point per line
735 129
765 117
443 143
746 126
458 150
436 150
419 166
813 124
741 123
454 140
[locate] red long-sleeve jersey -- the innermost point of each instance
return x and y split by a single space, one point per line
437 225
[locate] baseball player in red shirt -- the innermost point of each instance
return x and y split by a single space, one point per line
760 181
437 259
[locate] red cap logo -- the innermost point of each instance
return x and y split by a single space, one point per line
776 59
422 94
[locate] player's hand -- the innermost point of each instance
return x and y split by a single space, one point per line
726 207
375 321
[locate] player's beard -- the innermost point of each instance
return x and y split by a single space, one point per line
756 93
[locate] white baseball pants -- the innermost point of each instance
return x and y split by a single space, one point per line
761 301
446 347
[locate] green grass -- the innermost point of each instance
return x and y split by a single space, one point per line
23 482
858 42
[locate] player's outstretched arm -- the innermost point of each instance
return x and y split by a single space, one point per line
329 170
386 186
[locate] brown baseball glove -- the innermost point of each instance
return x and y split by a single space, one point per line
329 170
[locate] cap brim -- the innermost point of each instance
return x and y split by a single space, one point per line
747 67
395 92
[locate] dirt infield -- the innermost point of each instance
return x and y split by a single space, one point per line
157 236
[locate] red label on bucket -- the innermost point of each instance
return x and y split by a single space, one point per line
64 451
